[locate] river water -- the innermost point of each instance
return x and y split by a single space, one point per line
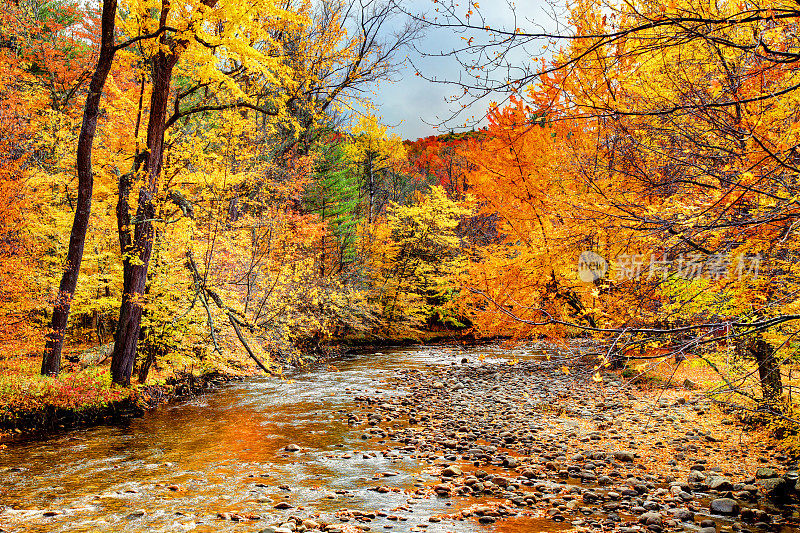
179 466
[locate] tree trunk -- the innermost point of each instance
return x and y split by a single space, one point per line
140 247
51 360
769 372
144 369
371 190
324 231
135 278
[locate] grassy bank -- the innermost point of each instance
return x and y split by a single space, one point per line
31 401
85 396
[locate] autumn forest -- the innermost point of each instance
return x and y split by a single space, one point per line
200 193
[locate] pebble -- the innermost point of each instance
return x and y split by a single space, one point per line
624 456
452 471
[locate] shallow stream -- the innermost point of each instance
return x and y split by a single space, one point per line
180 466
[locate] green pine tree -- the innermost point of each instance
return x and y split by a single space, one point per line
334 196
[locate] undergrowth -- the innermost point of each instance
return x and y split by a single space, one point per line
23 390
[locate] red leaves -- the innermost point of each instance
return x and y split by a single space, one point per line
440 160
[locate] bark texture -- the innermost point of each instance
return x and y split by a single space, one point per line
51 360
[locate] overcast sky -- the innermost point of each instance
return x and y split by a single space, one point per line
412 104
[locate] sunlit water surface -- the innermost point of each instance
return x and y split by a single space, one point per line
224 452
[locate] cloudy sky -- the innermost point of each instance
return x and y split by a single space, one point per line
413 105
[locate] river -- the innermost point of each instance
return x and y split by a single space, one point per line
179 466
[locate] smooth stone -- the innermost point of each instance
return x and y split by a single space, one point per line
719 484
764 473
696 476
624 456
451 471
727 506
684 515
442 490
650 518
775 487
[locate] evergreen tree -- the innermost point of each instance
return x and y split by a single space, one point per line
334 197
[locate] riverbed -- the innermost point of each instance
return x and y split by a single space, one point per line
180 466
340 446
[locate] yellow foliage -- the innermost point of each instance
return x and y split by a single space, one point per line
415 256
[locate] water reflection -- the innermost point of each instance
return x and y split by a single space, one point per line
180 465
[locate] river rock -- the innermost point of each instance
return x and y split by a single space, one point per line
720 484
442 490
651 505
624 456
765 473
684 515
292 448
481 510
776 487
727 506
451 471
650 519
500 481
696 476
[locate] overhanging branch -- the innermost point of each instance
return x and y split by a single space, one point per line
234 317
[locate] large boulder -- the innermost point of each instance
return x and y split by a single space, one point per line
776 488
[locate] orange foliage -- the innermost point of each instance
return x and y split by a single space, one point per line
44 58
15 260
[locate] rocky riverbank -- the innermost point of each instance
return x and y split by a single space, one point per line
531 441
